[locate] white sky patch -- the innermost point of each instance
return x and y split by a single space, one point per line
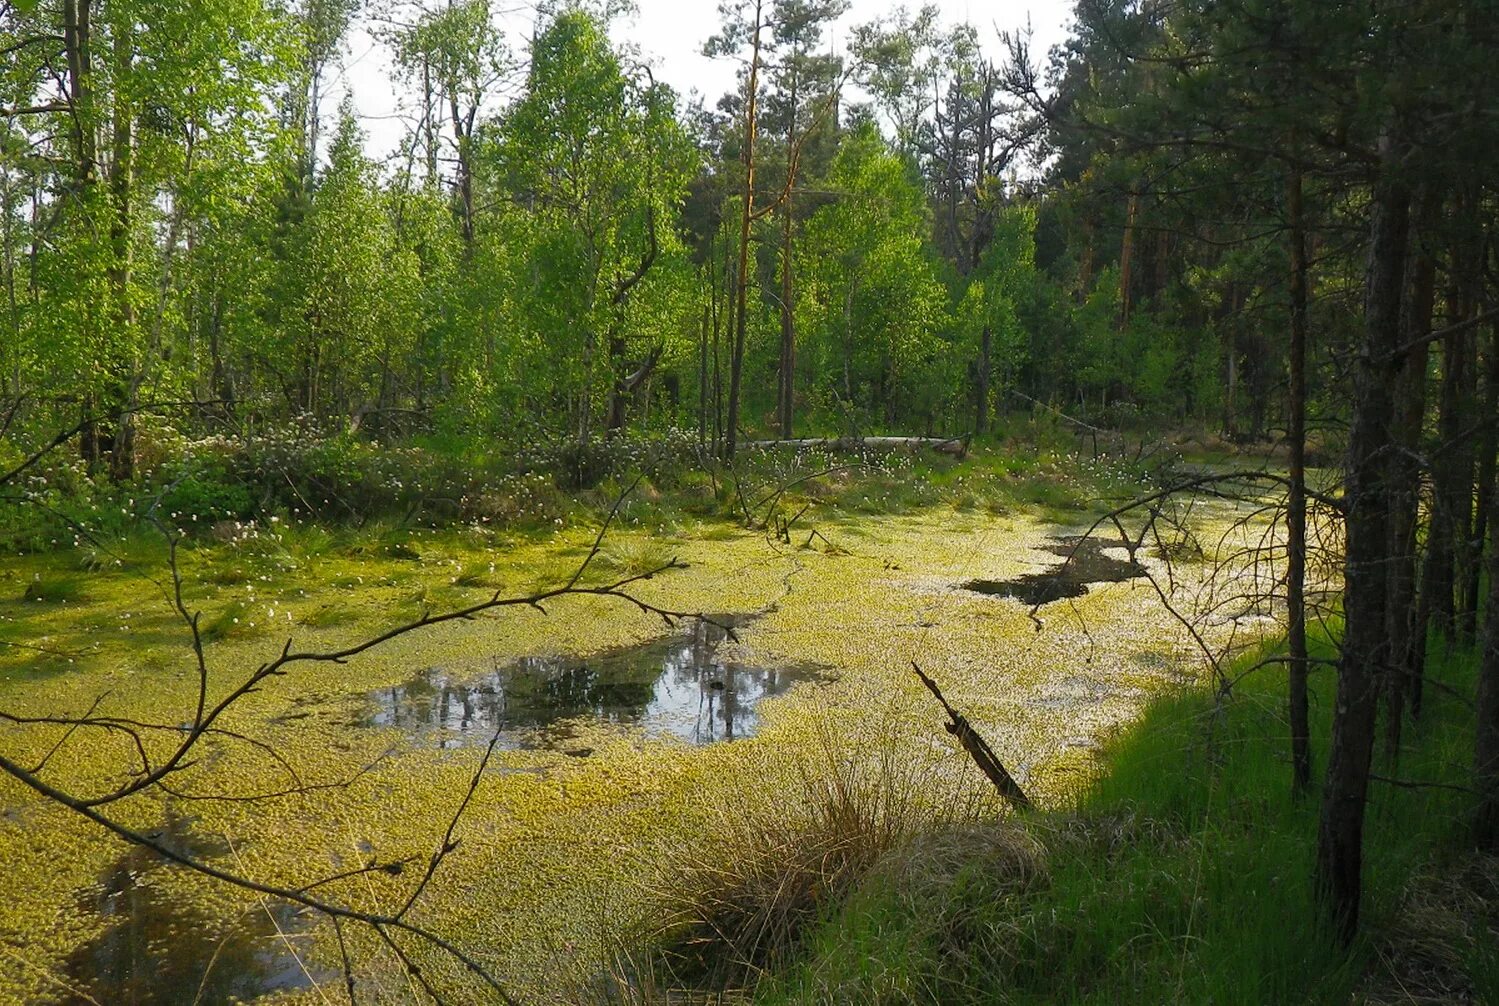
669 35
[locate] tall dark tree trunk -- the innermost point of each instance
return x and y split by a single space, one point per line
1405 496
463 137
1486 741
747 213
1085 263
786 394
787 390
429 120
1301 752
1488 445
1231 308
10 381
77 18
705 328
984 141
1450 484
1452 459
1467 289
628 386
1340 835
1127 258
618 392
721 318
848 347
952 187
222 381
121 240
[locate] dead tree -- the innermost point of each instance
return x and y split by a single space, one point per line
978 749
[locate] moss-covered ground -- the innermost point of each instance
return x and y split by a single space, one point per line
556 851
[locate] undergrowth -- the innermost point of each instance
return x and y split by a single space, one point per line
358 494
1182 875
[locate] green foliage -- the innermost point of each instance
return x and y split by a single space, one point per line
350 285
206 496
1189 851
600 163
872 306
548 255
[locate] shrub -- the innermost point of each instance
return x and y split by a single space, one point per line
205 496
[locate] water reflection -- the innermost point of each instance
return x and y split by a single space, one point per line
1087 561
678 685
155 950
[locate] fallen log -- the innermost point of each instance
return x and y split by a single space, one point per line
956 446
978 749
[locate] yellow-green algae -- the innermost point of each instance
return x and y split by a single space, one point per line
555 850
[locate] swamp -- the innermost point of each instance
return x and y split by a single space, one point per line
624 744
767 503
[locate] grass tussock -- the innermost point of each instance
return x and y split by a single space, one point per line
55 588
722 921
635 556
233 619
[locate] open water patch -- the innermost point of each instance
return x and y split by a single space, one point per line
680 685
156 950
1085 561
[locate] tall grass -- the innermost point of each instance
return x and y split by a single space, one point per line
1184 875
736 909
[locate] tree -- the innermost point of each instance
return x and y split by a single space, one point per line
899 60
150 119
352 312
743 25
990 304
457 54
1187 108
598 163
873 304
806 85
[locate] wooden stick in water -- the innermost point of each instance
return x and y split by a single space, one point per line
977 748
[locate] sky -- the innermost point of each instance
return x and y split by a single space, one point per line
670 36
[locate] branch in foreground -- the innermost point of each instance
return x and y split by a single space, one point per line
1210 485
386 925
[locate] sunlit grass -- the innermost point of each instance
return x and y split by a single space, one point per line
1182 875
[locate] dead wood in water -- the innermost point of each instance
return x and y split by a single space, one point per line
977 748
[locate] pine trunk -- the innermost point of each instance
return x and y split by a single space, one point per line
1301 757
1340 836
747 211
1486 741
1405 498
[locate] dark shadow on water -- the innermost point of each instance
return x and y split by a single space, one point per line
677 685
1090 563
155 950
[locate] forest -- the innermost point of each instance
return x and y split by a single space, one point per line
946 520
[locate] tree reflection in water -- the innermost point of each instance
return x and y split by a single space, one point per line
156 950
677 685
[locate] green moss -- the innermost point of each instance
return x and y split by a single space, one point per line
556 851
